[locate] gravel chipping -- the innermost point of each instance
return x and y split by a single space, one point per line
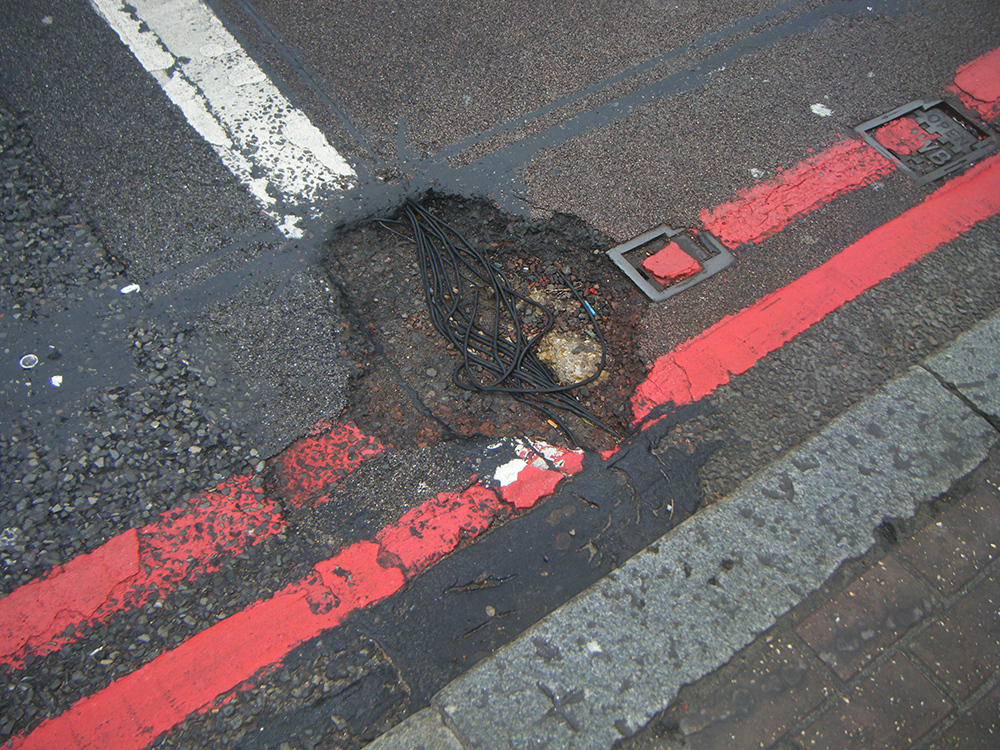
109 457
141 450
50 258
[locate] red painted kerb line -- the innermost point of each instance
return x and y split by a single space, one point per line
760 211
184 544
978 84
334 590
734 344
133 710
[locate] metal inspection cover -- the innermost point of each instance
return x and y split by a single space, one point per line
665 261
929 138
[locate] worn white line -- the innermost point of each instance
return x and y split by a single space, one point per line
271 146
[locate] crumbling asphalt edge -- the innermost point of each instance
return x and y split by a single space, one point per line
605 663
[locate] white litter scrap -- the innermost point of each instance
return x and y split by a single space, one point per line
821 109
509 472
534 453
232 104
129 289
541 455
56 380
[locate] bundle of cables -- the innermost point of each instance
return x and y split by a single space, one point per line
495 328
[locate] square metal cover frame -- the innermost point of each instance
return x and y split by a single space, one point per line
989 143
717 258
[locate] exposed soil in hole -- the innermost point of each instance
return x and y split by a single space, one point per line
403 391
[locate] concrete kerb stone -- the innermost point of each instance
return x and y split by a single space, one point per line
971 365
423 730
602 665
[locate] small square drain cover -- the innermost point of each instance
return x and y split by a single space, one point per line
929 138
663 261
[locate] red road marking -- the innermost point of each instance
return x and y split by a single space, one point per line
904 136
431 530
671 264
536 471
768 207
320 459
40 610
133 710
737 342
124 713
977 84
185 543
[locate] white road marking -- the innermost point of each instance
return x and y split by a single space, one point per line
271 146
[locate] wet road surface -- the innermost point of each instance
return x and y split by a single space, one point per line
256 430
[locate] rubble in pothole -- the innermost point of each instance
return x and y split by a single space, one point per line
404 391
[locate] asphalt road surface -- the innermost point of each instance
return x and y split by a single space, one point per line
225 410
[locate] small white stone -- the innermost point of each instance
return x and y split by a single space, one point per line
56 380
289 227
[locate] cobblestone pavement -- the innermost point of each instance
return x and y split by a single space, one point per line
898 649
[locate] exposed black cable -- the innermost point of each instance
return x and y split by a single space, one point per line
496 341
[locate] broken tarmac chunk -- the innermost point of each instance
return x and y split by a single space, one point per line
671 264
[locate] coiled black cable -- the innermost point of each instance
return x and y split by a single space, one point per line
498 352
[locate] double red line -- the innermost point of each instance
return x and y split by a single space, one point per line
130 712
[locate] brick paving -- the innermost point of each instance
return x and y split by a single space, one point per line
899 649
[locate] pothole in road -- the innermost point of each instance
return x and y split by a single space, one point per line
403 389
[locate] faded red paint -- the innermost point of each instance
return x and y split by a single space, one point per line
904 136
185 543
768 207
539 468
570 462
531 485
737 342
671 264
41 610
977 84
316 462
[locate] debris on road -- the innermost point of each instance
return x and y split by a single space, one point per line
496 328
402 386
